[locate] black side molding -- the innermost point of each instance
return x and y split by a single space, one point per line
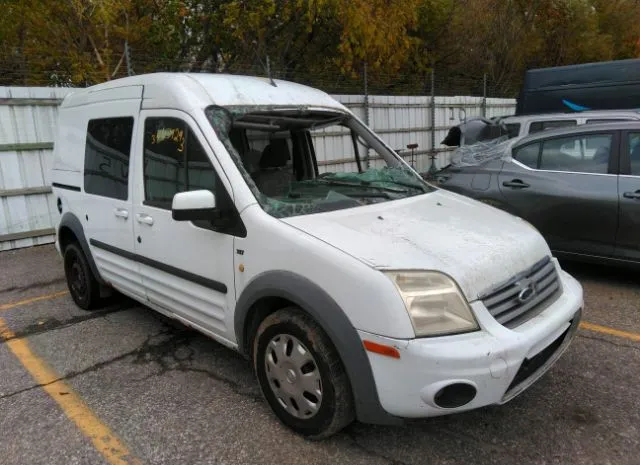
205 282
66 186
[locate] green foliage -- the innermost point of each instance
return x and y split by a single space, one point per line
81 42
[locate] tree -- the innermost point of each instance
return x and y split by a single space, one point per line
375 32
319 42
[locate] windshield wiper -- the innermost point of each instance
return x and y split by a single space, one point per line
367 194
385 195
406 184
329 177
365 184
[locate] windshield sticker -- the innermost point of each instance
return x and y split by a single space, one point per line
175 135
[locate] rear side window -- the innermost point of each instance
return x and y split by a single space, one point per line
106 158
538 126
174 161
513 130
528 155
634 153
579 154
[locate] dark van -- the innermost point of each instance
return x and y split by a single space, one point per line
591 86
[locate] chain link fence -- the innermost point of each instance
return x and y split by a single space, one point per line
81 71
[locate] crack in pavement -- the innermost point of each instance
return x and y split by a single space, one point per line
53 324
609 341
177 354
163 354
33 285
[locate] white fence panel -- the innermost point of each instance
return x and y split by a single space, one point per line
27 126
28 121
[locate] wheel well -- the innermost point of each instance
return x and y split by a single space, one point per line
261 309
66 237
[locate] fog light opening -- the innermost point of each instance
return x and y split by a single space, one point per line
455 395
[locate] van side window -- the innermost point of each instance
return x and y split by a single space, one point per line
528 155
538 126
174 161
106 158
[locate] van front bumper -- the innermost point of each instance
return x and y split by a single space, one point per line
486 367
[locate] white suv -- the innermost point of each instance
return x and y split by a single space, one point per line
520 126
241 207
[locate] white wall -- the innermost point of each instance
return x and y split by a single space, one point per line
27 127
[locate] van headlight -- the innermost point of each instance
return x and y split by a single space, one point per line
434 302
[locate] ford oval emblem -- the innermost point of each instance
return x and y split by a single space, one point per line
526 294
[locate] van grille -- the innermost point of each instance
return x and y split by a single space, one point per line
525 295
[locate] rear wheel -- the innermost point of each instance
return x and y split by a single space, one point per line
83 286
301 374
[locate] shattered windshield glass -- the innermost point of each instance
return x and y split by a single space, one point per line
300 161
482 152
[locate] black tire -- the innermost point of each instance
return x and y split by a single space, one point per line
336 405
82 284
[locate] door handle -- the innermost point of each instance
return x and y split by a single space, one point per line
516 184
144 218
632 195
121 213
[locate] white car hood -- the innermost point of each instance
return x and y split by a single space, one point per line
479 246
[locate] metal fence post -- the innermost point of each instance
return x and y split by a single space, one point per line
366 111
127 56
484 96
432 168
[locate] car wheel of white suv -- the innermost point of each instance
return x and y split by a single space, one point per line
301 374
83 286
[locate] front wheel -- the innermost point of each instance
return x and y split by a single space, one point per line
83 286
301 375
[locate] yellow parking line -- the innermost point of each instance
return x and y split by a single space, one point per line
610 331
103 439
4 307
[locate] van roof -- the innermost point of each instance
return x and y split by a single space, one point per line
186 91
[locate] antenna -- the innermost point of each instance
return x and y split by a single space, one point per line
273 83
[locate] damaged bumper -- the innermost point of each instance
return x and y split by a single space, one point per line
444 375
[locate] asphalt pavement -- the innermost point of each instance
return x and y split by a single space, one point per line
125 385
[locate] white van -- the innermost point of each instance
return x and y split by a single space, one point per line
243 208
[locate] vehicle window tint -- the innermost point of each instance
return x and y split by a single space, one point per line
528 155
513 130
613 120
581 154
174 161
634 153
538 126
106 159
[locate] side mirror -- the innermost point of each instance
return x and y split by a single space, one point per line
193 205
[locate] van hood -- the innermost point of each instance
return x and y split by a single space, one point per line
478 245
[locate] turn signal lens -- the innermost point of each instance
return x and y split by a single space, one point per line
381 349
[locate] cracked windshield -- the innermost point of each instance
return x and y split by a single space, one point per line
309 161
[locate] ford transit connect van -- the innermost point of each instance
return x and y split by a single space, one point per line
266 215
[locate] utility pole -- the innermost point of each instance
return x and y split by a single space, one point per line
367 162
484 96
432 156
